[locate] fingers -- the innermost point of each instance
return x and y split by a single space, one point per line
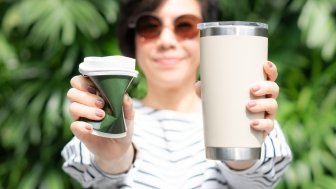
268 105
198 88
84 104
81 130
264 125
265 88
78 110
82 83
85 98
271 71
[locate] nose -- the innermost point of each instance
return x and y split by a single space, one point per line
167 37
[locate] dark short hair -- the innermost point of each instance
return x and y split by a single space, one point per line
130 9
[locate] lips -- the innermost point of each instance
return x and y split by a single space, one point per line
168 60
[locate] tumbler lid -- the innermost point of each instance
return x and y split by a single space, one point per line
233 28
108 65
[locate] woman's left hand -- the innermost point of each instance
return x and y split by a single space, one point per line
270 90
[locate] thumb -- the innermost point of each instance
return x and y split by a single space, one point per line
129 116
128 107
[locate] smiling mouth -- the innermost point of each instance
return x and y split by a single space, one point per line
168 61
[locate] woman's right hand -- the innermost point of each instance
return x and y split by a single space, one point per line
111 155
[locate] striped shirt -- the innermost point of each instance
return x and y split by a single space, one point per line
171 154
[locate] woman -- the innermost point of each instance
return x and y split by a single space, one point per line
164 145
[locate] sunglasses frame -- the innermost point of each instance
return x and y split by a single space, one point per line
133 24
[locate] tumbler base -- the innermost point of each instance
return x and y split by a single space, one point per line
217 153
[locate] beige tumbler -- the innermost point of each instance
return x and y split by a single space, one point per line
232 58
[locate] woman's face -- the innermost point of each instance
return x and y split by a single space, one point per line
167 60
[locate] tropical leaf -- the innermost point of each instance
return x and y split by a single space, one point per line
8 57
318 25
54 21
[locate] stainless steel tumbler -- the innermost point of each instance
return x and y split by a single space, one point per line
232 58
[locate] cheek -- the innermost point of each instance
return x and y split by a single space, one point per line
195 43
142 52
143 45
137 44
140 49
194 50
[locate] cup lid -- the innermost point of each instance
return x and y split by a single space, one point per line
233 28
108 65
205 25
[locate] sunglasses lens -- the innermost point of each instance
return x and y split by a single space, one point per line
148 26
186 26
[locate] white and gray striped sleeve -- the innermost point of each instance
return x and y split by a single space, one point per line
275 158
79 164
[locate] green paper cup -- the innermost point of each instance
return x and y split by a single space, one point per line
111 75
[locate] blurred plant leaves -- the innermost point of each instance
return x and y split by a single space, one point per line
52 20
317 21
42 43
7 53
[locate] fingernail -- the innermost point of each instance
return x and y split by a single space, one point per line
100 113
254 123
88 127
91 89
252 103
99 103
270 64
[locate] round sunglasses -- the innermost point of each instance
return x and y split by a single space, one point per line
150 26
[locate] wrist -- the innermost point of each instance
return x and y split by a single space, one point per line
117 166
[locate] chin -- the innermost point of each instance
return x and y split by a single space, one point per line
172 82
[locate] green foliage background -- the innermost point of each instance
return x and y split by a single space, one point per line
42 43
